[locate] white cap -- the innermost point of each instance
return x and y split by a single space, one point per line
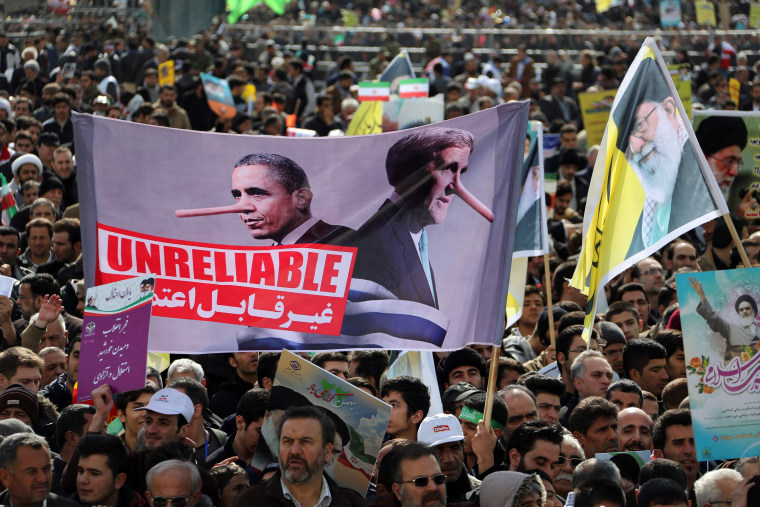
440 429
4 104
170 402
28 158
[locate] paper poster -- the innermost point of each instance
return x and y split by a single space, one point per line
754 14
166 73
402 114
115 336
359 417
551 146
670 13
330 265
705 13
738 184
681 75
721 330
219 96
595 108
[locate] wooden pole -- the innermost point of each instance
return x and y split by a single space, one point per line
737 240
491 386
548 292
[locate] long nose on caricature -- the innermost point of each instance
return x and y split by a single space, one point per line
219 210
461 191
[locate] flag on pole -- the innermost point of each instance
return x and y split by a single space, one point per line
651 182
410 88
399 69
7 202
368 119
531 233
374 91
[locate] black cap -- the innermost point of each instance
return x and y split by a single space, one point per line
457 392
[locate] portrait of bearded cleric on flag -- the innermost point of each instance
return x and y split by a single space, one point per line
425 168
656 144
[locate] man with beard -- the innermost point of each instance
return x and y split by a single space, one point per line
167 101
673 439
305 438
660 154
634 430
416 476
722 139
745 332
444 433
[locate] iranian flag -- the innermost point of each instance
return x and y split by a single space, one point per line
410 88
374 91
7 202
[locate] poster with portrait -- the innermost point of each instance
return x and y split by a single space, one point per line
595 108
360 420
670 13
681 74
721 333
730 141
399 240
114 348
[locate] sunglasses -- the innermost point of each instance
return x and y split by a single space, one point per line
422 480
177 501
574 461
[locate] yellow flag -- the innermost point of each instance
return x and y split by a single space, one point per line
650 183
368 119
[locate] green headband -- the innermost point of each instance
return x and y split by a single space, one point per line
475 416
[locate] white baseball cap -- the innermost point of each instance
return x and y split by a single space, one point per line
440 429
170 402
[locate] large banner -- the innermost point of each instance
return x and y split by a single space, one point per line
650 182
730 141
721 332
399 240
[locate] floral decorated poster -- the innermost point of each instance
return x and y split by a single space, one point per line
721 331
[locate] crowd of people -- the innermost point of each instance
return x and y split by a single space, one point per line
189 436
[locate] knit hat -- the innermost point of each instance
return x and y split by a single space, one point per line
50 183
19 396
27 158
611 333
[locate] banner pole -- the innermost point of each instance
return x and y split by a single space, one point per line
548 292
737 240
491 388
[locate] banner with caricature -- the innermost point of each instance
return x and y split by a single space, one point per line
721 337
399 240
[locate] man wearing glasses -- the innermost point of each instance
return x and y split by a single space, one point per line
658 149
417 477
173 482
722 139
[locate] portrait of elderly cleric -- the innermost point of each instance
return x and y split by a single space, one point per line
657 146
425 169
722 139
273 200
743 331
